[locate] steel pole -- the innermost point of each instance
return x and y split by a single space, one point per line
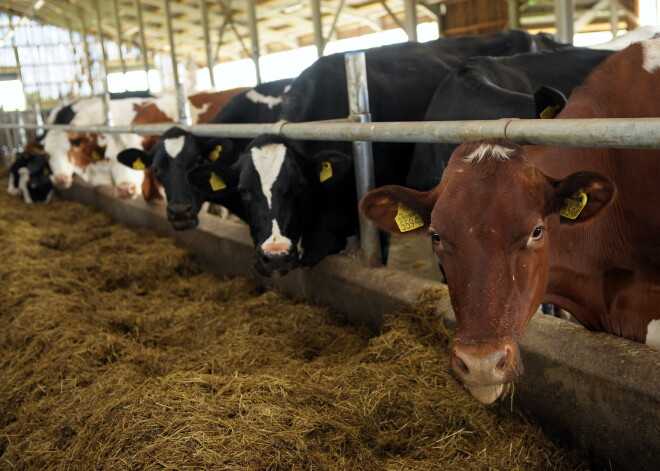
88 60
210 62
411 19
564 19
514 14
143 41
358 102
318 27
106 98
181 101
120 41
21 131
614 17
254 37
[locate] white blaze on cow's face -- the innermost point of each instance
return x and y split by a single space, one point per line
268 162
57 146
651 53
653 334
174 145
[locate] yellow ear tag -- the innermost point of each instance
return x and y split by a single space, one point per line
138 164
215 153
326 171
549 112
46 171
574 205
216 182
96 155
407 219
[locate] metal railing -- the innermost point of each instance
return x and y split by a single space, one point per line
627 133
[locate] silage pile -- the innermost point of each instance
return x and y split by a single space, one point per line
118 353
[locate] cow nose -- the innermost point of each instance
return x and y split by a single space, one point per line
484 369
179 209
63 180
126 190
278 263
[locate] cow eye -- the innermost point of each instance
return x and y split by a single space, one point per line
435 237
537 233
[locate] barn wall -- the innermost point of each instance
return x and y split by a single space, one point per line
475 17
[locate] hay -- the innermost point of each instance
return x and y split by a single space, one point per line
118 353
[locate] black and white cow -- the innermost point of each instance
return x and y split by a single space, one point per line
30 177
178 151
301 191
498 87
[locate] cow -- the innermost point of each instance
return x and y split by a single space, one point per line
204 106
513 226
29 177
261 104
83 153
498 87
304 191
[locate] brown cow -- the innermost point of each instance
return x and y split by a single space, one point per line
577 227
203 106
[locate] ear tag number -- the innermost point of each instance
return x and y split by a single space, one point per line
326 171
549 112
407 219
574 205
138 164
215 153
216 182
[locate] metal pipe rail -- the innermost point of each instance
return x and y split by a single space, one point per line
636 133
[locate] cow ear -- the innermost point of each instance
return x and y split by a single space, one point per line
135 158
215 149
213 180
580 196
548 102
331 166
399 210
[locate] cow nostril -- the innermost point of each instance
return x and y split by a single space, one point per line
501 364
460 364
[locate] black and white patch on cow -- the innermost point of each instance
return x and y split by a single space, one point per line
30 178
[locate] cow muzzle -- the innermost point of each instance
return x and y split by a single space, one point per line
268 264
182 216
126 190
484 368
62 180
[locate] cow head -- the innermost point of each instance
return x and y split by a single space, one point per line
57 145
31 178
491 221
276 185
175 154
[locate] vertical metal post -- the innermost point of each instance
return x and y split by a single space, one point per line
358 99
106 98
411 19
181 101
514 14
318 27
88 60
210 62
614 17
143 41
120 41
21 131
564 18
254 37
